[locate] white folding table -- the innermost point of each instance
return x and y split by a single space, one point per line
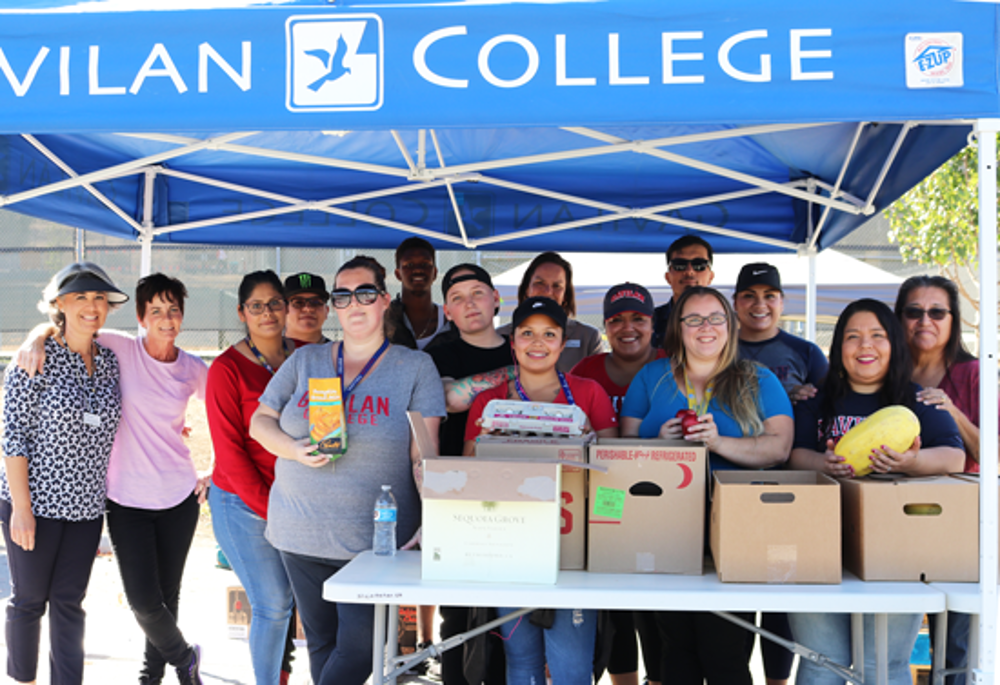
390 581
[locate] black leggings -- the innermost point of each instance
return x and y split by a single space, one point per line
151 546
701 646
624 651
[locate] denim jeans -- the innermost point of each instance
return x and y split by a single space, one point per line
830 634
240 534
567 647
957 649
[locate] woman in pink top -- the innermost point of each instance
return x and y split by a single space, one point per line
153 489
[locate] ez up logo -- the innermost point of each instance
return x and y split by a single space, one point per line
333 64
934 60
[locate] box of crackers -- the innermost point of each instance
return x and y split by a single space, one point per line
327 426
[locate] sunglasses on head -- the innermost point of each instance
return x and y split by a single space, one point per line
681 264
914 313
365 295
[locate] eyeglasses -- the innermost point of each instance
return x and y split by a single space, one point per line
303 303
257 308
916 313
364 294
681 264
696 320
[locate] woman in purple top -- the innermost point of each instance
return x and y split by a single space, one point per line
153 491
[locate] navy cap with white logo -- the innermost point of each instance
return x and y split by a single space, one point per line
628 297
758 273
539 305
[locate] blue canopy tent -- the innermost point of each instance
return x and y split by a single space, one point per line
602 126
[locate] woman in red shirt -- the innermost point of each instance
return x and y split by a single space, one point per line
539 335
244 470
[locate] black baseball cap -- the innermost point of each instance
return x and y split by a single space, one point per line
477 273
306 283
758 273
539 305
628 297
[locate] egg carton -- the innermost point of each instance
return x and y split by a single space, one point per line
538 418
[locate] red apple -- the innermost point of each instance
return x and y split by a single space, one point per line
689 420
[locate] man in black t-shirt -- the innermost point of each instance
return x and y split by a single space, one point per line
477 360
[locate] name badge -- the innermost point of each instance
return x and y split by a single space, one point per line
572 343
91 419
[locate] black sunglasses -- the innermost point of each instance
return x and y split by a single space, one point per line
365 295
914 313
681 264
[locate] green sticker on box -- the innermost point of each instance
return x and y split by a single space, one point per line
609 503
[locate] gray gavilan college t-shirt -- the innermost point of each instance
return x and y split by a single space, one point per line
326 512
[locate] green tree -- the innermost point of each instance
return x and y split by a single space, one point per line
937 223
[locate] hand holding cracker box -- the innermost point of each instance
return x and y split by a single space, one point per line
327 426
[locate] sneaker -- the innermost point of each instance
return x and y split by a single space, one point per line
191 674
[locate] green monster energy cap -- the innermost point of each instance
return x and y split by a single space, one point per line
297 284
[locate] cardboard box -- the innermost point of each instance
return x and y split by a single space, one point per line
974 478
488 520
407 629
573 517
238 613
647 513
776 527
902 528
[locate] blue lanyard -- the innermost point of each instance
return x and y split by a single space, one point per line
562 381
260 357
364 371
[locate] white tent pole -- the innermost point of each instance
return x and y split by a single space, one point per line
870 204
146 235
986 129
814 233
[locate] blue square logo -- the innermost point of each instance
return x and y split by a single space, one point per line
334 64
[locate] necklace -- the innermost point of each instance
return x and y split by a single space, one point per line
432 321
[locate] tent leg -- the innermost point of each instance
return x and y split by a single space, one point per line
986 130
146 238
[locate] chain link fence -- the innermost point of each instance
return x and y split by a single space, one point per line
32 250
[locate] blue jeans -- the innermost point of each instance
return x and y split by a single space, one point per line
240 534
567 647
830 634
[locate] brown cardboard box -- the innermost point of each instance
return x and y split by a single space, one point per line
407 629
647 513
776 527
238 612
974 478
573 516
911 528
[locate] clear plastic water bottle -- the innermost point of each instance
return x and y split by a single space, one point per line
384 543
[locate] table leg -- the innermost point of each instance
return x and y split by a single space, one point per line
882 649
378 645
392 639
940 648
858 645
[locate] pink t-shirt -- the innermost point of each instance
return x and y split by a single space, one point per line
151 466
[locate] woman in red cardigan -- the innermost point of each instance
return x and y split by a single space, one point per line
244 471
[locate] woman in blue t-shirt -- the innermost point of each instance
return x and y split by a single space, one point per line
745 421
869 370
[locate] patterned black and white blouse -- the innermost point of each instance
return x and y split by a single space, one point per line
44 422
